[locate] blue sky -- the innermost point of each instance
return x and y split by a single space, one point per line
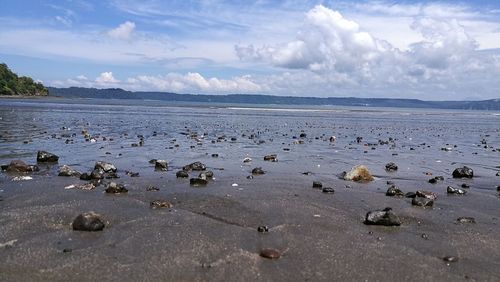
406 49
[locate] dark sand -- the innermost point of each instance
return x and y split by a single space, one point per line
210 234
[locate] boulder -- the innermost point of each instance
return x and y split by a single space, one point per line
258 170
384 217
89 221
161 165
394 191
463 172
18 166
68 171
359 173
44 157
197 166
390 167
106 167
182 174
114 188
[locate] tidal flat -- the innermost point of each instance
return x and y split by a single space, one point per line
298 219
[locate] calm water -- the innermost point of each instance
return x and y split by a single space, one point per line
168 130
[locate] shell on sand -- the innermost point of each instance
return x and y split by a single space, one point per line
359 173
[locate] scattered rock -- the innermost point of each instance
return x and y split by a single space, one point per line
106 167
206 175
465 219
197 166
463 172
18 166
328 190
114 188
384 217
270 253
161 165
181 174
258 170
68 171
97 173
271 158
263 229
457 191
198 182
89 221
317 184
426 194
391 167
46 157
422 202
157 204
359 173
394 191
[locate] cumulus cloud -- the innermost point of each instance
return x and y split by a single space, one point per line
106 78
123 31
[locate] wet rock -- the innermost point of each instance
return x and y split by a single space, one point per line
158 204
106 167
270 253
450 259
161 165
263 229
328 190
394 191
111 175
457 191
426 194
317 184
465 219
432 180
89 221
44 157
85 176
68 171
247 160
422 202
206 174
181 174
215 155
463 172
152 161
333 139
114 188
465 185
390 167
258 170
384 217
271 158
152 188
303 135
198 182
196 166
358 173
97 173
18 166
131 173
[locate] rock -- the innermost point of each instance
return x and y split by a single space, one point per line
197 166
262 229
457 191
215 155
198 182
328 190
271 158
450 259
465 219
97 173
206 174
465 185
181 174
152 188
359 173
432 180
161 165
384 217
152 161
114 188
131 173
86 186
317 184
258 170
44 157
18 166
106 167
394 191
333 139
89 221
157 204
410 195
85 176
422 202
391 167
463 172
68 171
426 194
247 160
303 135
270 253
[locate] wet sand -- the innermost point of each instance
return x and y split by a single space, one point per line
210 234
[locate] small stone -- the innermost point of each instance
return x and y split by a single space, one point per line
391 167
450 259
43 157
270 253
206 174
303 135
433 180
258 170
463 172
197 166
263 228
271 158
465 185
394 191
317 184
89 221
85 176
97 173
422 202
198 182
114 188
161 165
247 160
152 188
181 174
106 167
67 250
457 191
359 174
465 219
426 194
328 190
215 155
68 171
424 236
157 204
132 174
384 217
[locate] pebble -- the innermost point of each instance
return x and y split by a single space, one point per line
394 191
258 170
359 173
181 174
426 194
89 221
198 182
390 167
450 259
270 253
106 167
456 191
465 219
114 188
263 229
156 204
196 166
328 190
152 188
422 202
317 184
161 165
271 158
68 171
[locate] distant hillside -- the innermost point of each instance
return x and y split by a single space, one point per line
11 84
116 93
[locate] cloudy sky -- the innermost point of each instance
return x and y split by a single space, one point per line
407 49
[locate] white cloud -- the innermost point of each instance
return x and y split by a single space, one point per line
106 78
123 31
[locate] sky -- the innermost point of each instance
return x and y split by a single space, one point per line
446 50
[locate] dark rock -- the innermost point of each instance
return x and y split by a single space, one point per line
433 180
161 165
68 171
85 176
215 155
384 217
465 219
328 190
426 194
270 253
114 188
465 185
106 167
271 158
457 191
394 191
182 174
303 135
97 173
111 175
262 229
206 174
463 172
157 204
197 166
422 202
18 166
258 170
391 167
132 174
89 221
410 195
317 184
198 182
450 259
152 161
44 157
152 188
